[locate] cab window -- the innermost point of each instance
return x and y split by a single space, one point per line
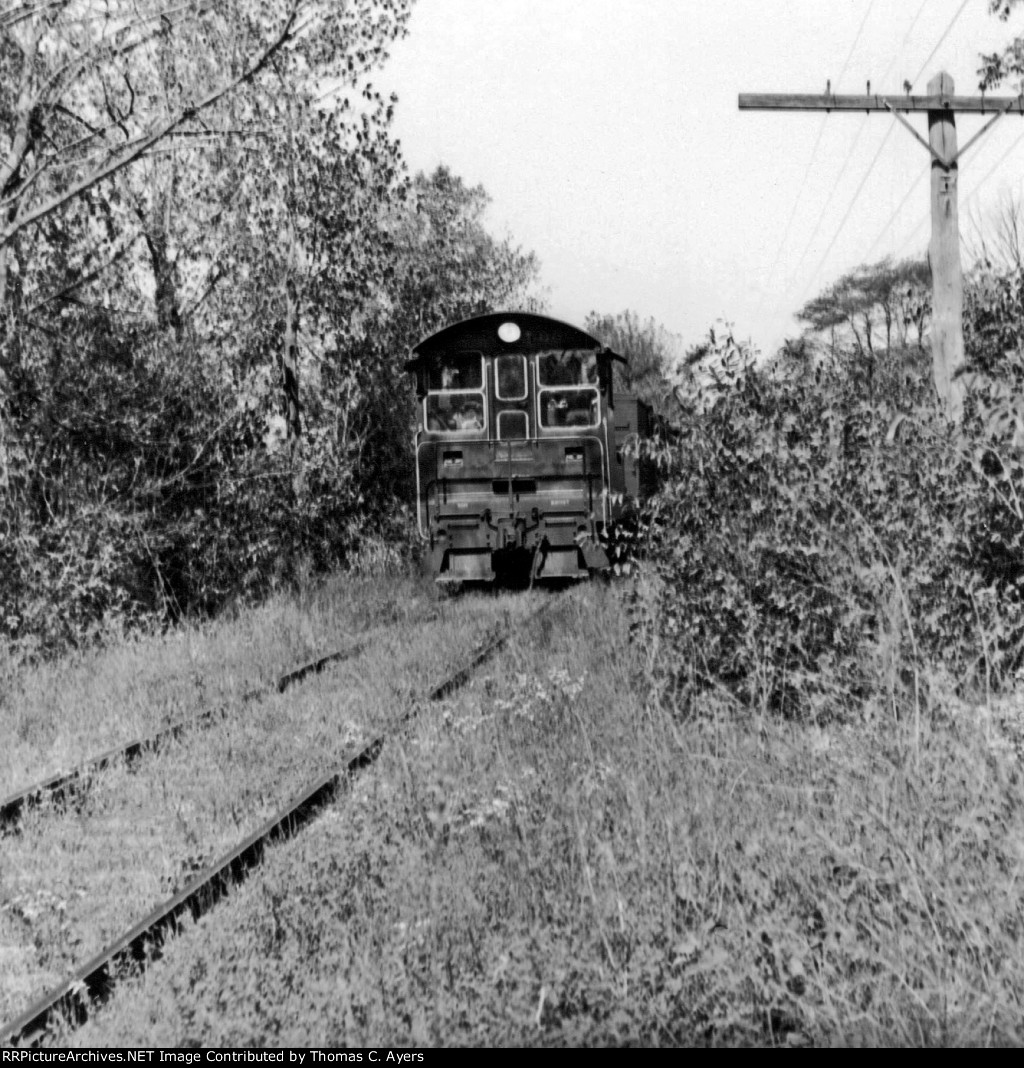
510 375
513 426
568 394
568 408
463 370
567 368
455 394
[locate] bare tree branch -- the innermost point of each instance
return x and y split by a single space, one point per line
147 141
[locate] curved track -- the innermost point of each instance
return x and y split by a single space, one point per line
93 982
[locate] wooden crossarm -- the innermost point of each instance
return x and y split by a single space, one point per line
980 105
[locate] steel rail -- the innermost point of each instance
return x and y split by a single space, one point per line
62 786
93 982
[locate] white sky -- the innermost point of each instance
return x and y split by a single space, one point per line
608 136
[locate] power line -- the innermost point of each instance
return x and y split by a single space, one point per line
824 208
968 197
849 210
796 201
886 73
992 169
931 54
903 43
817 142
856 40
910 236
899 207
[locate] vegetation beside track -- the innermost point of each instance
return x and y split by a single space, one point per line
561 854
73 880
57 712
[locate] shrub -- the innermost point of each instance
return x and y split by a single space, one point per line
811 545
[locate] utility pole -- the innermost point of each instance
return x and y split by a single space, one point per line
941 107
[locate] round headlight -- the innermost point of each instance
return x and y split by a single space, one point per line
509 332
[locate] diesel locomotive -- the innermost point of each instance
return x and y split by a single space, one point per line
520 458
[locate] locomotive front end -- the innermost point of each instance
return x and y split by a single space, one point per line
513 465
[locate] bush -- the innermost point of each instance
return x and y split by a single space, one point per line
141 484
812 547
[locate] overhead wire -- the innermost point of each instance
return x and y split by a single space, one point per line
828 200
968 197
913 185
899 207
817 141
917 181
853 202
871 166
992 169
796 201
938 45
853 146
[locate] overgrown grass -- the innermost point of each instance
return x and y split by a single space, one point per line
74 880
55 713
562 855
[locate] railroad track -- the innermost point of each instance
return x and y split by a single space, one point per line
62 787
59 788
93 982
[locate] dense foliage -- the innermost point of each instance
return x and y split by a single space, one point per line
820 547
547 857
996 67
212 265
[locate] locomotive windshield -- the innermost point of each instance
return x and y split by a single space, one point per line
570 398
462 370
455 398
511 377
568 368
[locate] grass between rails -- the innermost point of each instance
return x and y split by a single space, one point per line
556 857
55 714
74 880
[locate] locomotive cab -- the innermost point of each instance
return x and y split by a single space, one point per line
518 464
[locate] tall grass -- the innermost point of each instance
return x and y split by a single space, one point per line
565 854
75 879
53 714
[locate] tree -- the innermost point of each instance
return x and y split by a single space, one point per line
447 266
84 97
996 67
873 320
91 89
163 305
450 267
154 281
883 300
883 295
651 352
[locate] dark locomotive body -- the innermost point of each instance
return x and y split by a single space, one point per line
519 449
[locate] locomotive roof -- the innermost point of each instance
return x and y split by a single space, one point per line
481 334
